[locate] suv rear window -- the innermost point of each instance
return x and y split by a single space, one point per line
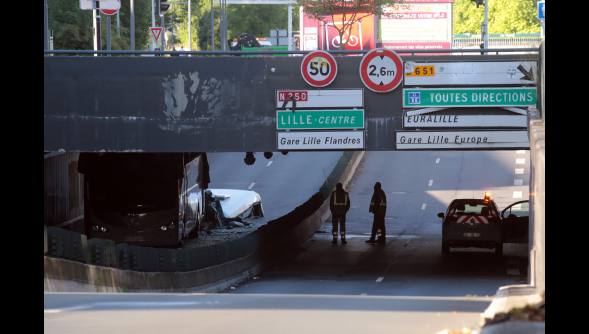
472 209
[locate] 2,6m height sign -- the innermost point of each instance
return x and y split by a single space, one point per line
381 71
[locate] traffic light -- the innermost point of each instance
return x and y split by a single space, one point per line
162 7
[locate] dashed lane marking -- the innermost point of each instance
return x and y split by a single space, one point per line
519 171
423 206
520 161
520 152
269 163
378 280
517 194
431 181
437 160
518 182
251 186
513 272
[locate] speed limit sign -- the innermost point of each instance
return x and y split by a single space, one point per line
381 70
318 68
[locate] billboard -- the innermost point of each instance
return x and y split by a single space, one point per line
322 34
417 26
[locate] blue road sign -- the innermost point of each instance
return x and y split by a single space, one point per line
540 10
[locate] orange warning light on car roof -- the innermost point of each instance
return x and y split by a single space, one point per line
487 196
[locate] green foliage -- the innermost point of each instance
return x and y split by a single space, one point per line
505 17
258 20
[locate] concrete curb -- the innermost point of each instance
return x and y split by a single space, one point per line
509 297
67 275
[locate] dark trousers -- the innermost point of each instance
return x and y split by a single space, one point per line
341 219
378 224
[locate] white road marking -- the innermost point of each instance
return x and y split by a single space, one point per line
520 161
518 182
378 280
430 182
517 194
251 186
520 152
437 160
423 206
519 171
269 163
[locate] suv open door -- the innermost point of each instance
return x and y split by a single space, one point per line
515 220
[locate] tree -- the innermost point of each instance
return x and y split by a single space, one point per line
505 17
351 11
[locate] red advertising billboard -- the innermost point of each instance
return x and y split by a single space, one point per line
322 34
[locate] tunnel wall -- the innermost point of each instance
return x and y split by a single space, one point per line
537 216
73 263
63 189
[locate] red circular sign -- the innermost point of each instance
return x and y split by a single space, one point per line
381 70
318 68
109 11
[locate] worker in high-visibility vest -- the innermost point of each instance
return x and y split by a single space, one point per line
339 204
378 206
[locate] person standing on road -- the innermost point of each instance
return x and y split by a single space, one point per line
339 204
378 206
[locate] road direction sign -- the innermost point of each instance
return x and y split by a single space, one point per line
319 68
320 98
471 73
381 70
469 97
463 121
325 140
461 139
156 33
104 4
541 10
320 119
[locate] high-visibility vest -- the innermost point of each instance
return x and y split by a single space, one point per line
336 203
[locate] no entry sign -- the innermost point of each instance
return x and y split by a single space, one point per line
381 70
318 68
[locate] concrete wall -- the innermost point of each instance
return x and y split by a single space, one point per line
537 194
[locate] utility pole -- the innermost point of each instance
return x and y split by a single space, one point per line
153 22
486 26
189 27
46 28
96 20
132 23
212 27
289 27
108 32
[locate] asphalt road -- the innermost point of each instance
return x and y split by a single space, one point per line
405 286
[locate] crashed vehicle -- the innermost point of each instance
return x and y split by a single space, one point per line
224 207
139 199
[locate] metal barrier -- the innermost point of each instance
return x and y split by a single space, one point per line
273 53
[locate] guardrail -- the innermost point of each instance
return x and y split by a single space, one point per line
271 53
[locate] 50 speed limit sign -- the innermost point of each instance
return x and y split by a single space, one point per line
318 68
381 70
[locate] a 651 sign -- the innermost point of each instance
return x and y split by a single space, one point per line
318 68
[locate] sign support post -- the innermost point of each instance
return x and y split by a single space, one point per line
132 24
97 39
108 26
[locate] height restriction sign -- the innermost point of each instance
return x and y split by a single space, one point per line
381 70
318 68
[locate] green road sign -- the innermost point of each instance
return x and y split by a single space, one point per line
320 119
469 97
